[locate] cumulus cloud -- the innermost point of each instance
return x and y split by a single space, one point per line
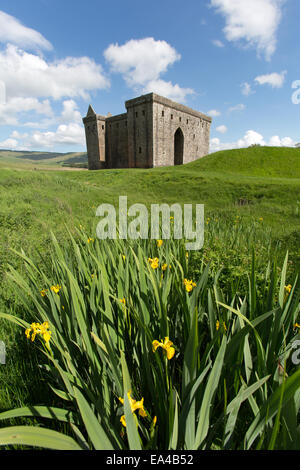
246 89
251 137
70 112
10 144
11 111
214 113
12 31
222 129
26 74
254 22
71 134
141 62
276 80
167 89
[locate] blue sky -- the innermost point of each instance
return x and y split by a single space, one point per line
236 60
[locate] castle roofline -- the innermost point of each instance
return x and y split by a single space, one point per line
154 98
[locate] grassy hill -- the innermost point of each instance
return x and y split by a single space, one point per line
255 161
45 160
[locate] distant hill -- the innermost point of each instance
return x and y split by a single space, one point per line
29 158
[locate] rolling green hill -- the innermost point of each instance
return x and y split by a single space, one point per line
255 161
45 160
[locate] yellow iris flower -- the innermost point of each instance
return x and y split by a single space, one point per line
154 262
189 285
39 329
134 405
167 345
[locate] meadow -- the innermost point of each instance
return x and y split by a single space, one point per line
202 340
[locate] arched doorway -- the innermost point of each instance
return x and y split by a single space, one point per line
178 147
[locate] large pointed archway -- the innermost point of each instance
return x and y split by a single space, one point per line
178 147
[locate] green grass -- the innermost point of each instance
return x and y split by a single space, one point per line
238 188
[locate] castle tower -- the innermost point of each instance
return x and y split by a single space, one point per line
95 139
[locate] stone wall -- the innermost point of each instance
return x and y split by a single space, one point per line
117 141
95 140
140 133
168 118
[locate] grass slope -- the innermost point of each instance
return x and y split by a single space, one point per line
255 161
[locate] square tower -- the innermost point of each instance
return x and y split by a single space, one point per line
95 139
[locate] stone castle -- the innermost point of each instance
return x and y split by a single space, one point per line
154 132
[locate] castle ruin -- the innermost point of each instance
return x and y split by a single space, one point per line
154 132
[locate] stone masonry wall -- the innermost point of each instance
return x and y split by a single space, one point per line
117 141
168 117
140 133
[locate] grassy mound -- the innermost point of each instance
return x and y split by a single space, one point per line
277 162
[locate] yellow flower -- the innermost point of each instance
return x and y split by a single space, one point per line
134 405
44 292
167 345
124 257
123 421
189 285
217 325
39 329
159 243
296 326
90 240
56 288
186 254
288 288
154 421
154 262
261 219
164 266
123 301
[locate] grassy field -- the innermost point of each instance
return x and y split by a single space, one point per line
251 198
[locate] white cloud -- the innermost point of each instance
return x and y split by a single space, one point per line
246 89
26 74
9 144
141 63
276 80
253 22
70 112
167 89
251 137
71 134
238 107
214 113
222 129
11 111
217 43
141 60
12 31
